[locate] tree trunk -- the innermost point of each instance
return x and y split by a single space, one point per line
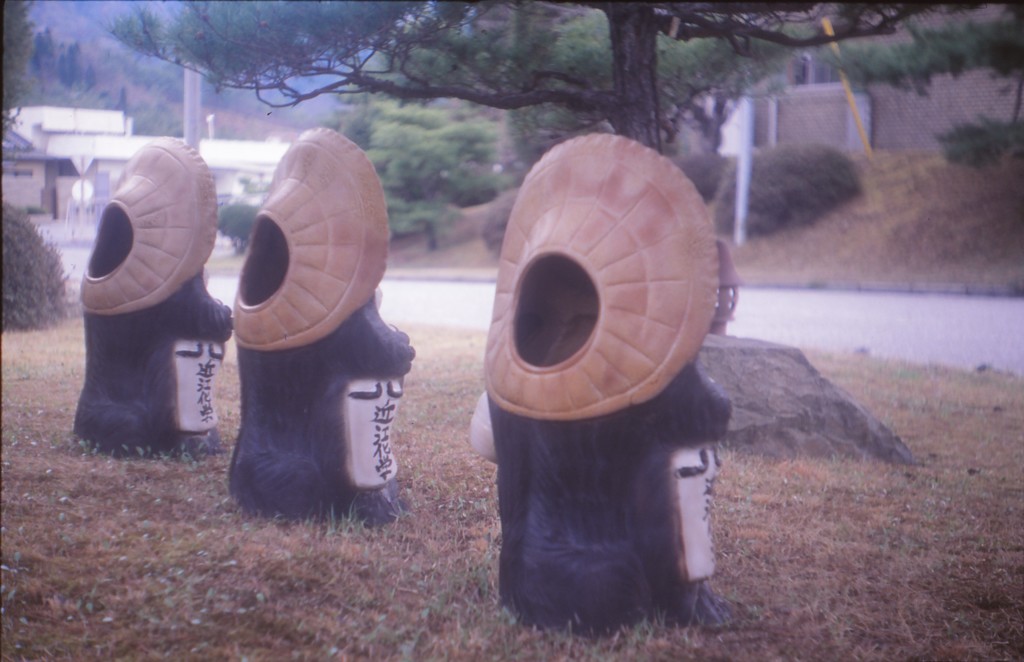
634 36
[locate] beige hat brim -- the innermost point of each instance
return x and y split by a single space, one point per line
156 233
327 204
610 210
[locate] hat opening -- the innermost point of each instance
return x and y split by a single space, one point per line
113 242
556 312
267 263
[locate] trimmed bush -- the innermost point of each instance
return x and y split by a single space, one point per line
235 222
705 171
33 288
493 232
790 185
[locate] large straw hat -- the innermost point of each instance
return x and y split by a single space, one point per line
606 285
319 246
155 234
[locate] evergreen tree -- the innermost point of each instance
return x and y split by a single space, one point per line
69 67
43 52
698 82
17 54
499 54
430 160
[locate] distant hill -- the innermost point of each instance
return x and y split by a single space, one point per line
78 63
85 22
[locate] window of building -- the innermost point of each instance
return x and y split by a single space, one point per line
806 69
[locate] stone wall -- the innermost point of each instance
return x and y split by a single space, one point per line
907 120
895 119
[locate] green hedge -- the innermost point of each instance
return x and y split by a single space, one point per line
705 171
235 222
33 280
790 185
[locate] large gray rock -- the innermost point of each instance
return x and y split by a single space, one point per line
784 408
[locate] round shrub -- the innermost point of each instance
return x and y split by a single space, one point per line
705 171
790 185
235 222
493 231
33 275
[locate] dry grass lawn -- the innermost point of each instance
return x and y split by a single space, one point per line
147 559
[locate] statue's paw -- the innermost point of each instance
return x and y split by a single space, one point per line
379 507
219 322
699 605
200 445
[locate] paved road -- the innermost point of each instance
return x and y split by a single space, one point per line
954 330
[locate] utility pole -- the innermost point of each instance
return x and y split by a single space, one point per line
191 108
827 24
743 168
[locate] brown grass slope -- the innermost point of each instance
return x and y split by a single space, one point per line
151 559
919 222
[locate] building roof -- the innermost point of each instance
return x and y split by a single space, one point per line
85 136
15 142
252 155
17 147
54 119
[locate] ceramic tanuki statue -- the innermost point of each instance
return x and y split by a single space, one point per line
154 338
321 373
596 412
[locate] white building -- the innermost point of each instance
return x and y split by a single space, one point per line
65 162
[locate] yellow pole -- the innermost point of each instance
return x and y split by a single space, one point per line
827 24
